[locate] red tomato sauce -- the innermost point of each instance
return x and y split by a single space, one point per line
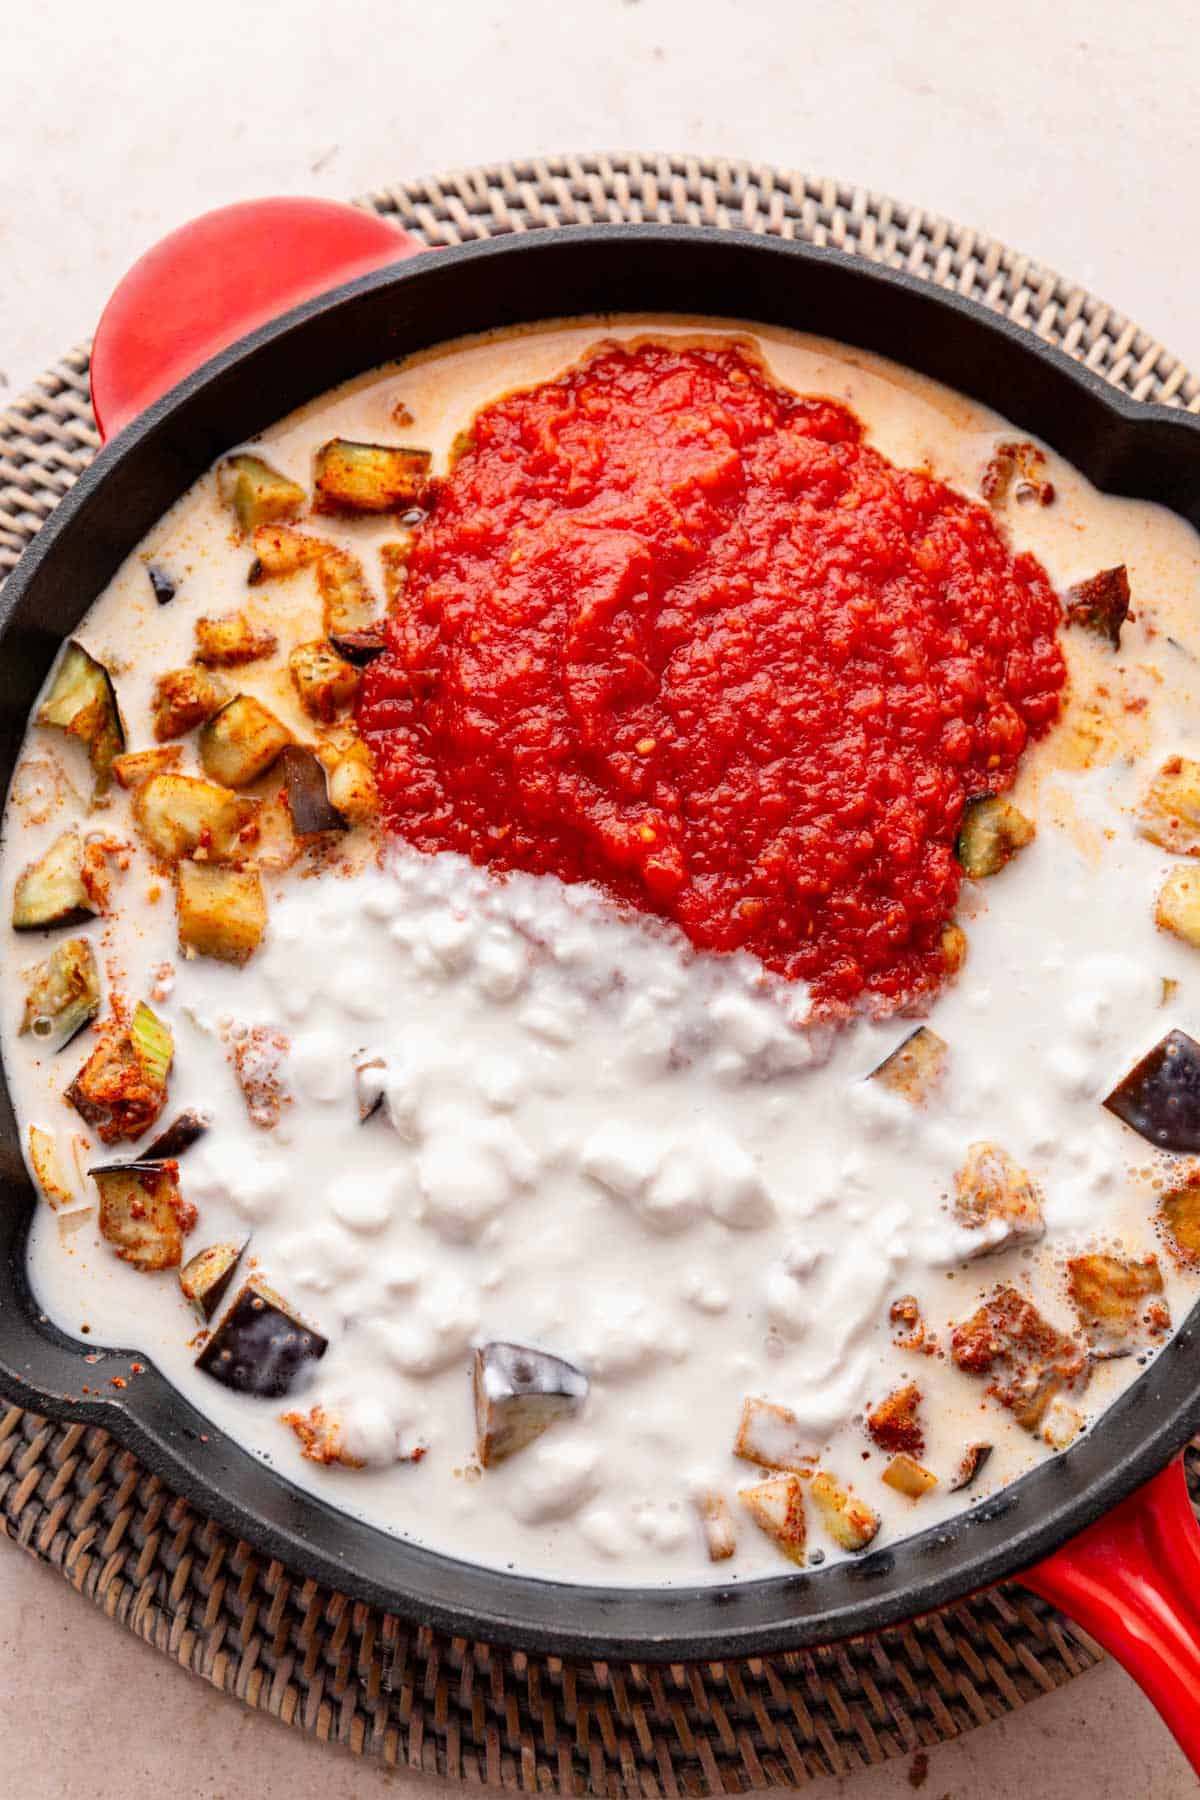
676 630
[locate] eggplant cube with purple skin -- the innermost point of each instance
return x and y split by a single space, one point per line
519 1394
1160 1096
205 1277
261 1347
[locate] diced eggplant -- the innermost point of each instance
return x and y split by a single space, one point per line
973 1459
276 845
1061 1423
231 640
1179 1217
850 1522
1027 1359
996 1197
49 1172
53 891
1160 1096
1119 1300
716 1520
137 766
370 1085
205 1277
1169 814
63 995
122 1087
905 1475
991 833
771 1436
954 947
182 815
179 1136
519 1394
894 1424
777 1507
260 1065
308 793
369 478
1101 604
142 1213
261 1346
324 681
352 787
320 1435
281 550
394 558
256 492
222 912
1178 908
185 698
83 702
162 584
352 617
915 1067
360 647
241 742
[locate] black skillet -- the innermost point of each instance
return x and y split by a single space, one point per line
1105 1528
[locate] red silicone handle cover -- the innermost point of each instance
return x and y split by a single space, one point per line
1133 1580
214 280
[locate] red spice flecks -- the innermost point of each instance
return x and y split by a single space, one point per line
674 629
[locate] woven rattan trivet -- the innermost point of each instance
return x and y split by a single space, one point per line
346 1671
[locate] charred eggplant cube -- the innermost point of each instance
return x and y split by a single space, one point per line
205 1277
261 1346
369 478
519 1393
1160 1096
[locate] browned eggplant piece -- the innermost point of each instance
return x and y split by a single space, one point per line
352 785
996 1197
142 1213
280 550
1028 1360
519 1393
231 640
162 584
716 1520
1101 604
122 1087
894 1424
914 1067
179 1136
83 702
261 1346
850 1522
221 912
48 1171
185 698
54 890
974 1457
905 1475
771 1436
256 492
307 793
1178 906
360 647
63 995
1119 1300
777 1507
136 767
240 743
369 478
182 815
324 681
991 833
1160 1096
1169 812
205 1277
1179 1218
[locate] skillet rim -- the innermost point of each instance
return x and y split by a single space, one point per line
1149 450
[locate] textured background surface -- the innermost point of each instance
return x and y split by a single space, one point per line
1061 133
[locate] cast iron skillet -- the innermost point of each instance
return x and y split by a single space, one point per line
1133 1576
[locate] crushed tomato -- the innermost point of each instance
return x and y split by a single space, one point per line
674 629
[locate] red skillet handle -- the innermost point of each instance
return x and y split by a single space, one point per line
1133 1580
214 280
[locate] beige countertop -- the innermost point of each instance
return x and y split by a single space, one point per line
1069 131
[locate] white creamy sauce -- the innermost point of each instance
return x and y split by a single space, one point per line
594 1140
